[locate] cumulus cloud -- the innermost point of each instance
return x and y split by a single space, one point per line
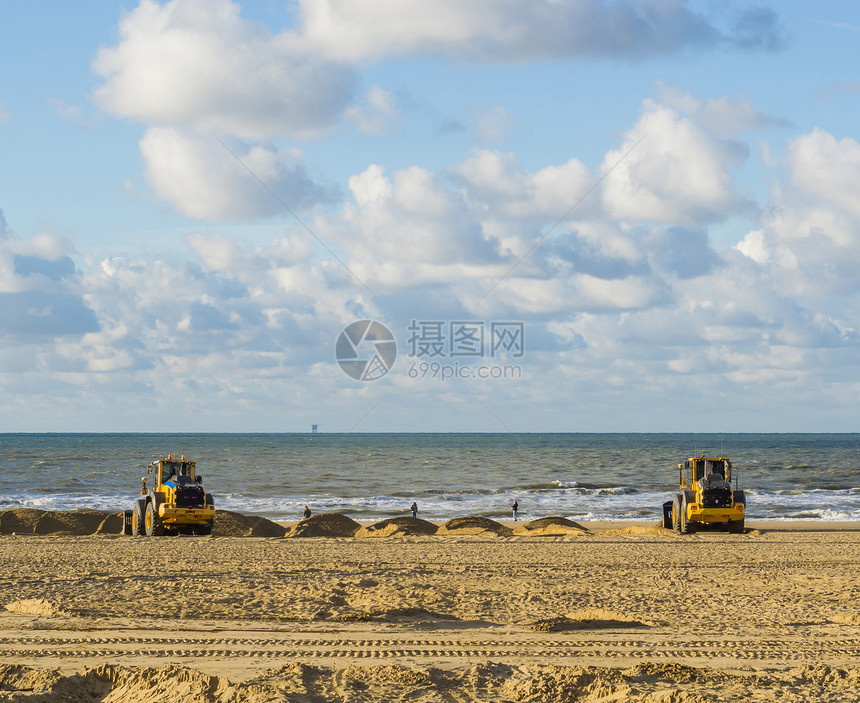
720 116
199 63
196 67
412 216
809 239
516 31
678 173
827 170
40 295
206 180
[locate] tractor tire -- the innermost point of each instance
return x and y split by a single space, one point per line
204 530
686 528
676 514
736 527
137 520
667 515
154 526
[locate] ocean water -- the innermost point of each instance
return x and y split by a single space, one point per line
374 476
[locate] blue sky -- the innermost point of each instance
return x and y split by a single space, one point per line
198 196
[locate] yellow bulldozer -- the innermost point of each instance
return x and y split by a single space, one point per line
174 502
705 497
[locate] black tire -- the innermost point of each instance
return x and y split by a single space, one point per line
154 526
736 526
204 530
685 527
667 515
676 514
126 521
137 519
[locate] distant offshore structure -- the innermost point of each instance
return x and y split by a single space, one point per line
314 429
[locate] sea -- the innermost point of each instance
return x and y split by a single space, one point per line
580 476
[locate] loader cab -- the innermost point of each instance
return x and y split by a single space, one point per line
710 470
173 469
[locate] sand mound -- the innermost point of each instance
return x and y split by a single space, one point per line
230 524
588 619
19 520
846 619
34 606
111 525
14 677
77 522
114 684
325 525
550 527
474 526
398 527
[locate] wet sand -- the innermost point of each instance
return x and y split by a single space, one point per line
604 612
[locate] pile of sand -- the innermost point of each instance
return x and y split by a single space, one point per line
482 526
588 619
112 525
398 527
19 520
550 527
34 606
325 525
230 524
77 522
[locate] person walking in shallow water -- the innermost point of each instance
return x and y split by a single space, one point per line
414 510
515 506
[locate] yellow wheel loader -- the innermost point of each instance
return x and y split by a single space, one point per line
174 503
705 497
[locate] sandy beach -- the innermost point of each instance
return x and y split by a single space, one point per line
596 612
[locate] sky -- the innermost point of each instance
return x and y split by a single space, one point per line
429 216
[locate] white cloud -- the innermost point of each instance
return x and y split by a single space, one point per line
196 67
721 117
809 240
410 217
204 180
199 63
679 173
827 170
512 30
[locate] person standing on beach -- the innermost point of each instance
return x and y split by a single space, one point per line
515 506
307 512
414 510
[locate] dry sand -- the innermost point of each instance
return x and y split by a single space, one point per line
495 612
